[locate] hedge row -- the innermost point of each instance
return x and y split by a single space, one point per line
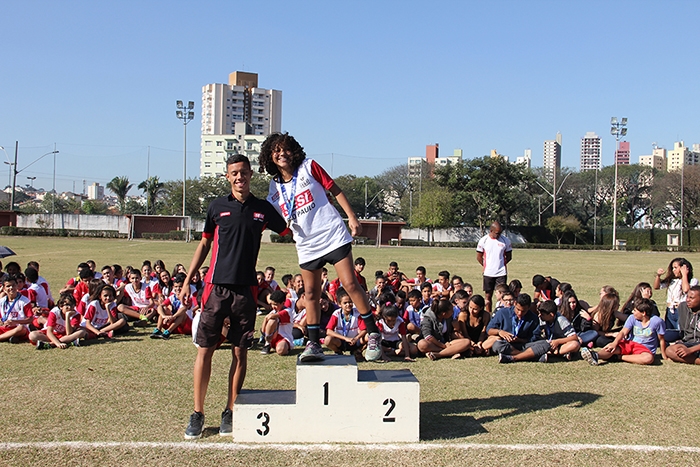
40 232
172 235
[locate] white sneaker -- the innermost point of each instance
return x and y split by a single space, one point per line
374 347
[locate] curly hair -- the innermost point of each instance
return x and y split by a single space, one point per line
274 141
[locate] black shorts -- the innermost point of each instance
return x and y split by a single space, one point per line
691 344
235 302
345 346
333 257
490 283
391 344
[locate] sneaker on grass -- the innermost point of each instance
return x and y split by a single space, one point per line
544 358
226 428
504 358
156 334
194 429
590 356
374 349
76 343
42 345
266 349
312 353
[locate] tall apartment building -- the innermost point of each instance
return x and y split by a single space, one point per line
95 191
551 157
591 151
236 118
622 153
416 165
656 160
680 156
525 159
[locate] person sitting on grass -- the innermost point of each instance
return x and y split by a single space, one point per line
101 318
142 304
16 313
417 282
412 314
557 331
62 326
426 291
277 326
647 333
174 317
442 286
513 328
393 331
687 350
472 320
436 332
346 329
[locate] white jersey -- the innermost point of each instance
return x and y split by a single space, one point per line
141 298
316 225
494 250
97 315
42 298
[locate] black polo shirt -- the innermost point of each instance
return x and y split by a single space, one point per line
236 229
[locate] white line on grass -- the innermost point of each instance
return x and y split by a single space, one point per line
199 446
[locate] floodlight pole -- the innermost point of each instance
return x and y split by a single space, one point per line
186 114
618 130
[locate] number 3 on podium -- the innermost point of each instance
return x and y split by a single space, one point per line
265 423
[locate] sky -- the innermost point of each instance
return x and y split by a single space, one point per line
365 84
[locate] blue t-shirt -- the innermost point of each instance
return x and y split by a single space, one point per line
647 336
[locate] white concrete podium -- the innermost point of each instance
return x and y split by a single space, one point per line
333 402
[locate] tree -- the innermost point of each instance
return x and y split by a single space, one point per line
92 206
486 189
561 225
153 188
200 192
666 198
120 186
354 189
434 211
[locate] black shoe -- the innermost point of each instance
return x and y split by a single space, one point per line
194 429
266 350
226 428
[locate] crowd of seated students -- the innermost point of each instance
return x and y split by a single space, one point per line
417 317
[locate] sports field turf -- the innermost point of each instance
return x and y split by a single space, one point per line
473 411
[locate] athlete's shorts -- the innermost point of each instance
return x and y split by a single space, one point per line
277 338
235 302
347 347
185 327
490 283
632 348
4 329
58 335
391 344
333 257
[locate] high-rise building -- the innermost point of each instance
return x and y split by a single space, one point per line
680 156
95 191
656 160
551 159
591 151
432 159
241 100
236 119
622 154
525 159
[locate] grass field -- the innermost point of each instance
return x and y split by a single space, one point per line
473 411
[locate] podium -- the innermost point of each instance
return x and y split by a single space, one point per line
333 402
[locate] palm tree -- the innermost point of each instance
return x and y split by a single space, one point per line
120 186
152 187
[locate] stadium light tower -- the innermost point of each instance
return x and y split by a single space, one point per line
618 130
186 114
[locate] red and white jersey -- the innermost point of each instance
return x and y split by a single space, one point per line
286 326
57 321
81 307
298 316
42 282
494 251
41 297
316 225
97 315
392 334
274 285
437 287
141 298
18 308
417 282
347 326
176 304
28 294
